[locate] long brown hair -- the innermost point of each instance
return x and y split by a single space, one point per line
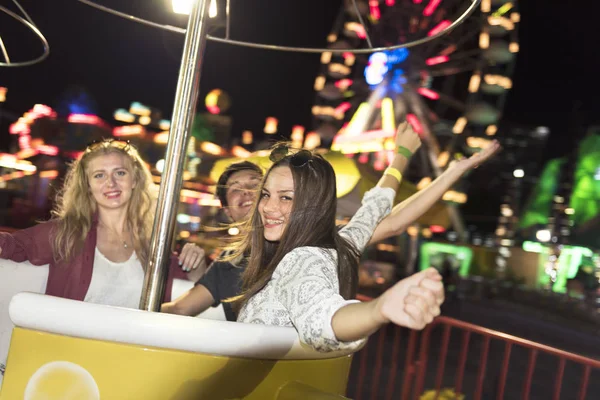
310 223
75 206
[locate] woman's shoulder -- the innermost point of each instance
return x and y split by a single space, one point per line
306 255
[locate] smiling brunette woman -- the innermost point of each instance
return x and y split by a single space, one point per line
302 271
97 243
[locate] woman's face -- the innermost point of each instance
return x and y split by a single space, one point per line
111 180
276 202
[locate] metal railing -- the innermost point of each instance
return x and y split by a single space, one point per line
394 365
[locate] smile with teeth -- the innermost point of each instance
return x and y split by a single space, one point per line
113 194
269 223
247 203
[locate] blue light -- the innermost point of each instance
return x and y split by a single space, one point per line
377 68
398 80
397 56
382 62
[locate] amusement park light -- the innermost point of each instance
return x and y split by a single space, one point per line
240 152
3 91
160 165
504 9
459 126
164 124
491 130
513 47
349 59
84 119
501 21
123 116
297 133
325 57
139 109
431 7
145 120
340 69
486 6
247 137
515 17
415 123
319 83
161 138
332 37
569 211
423 183
270 125
312 140
437 60
543 235
484 40
185 7
388 121
430 94
439 27
518 173
211 148
128 130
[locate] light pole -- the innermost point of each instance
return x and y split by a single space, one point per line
188 87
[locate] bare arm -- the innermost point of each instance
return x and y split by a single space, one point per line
191 303
411 209
413 303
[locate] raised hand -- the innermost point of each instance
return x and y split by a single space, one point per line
480 157
407 137
414 301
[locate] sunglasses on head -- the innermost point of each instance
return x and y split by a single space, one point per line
106 143
299 159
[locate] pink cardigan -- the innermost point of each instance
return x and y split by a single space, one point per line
68 280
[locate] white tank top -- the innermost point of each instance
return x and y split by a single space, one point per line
116 284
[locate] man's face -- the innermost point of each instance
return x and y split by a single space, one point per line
241 194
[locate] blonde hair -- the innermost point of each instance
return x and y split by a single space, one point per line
75 206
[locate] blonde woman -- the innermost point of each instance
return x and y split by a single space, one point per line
97 243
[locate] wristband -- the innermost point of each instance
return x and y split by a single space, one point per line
404 151
393 172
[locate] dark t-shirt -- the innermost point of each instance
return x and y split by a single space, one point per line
223 280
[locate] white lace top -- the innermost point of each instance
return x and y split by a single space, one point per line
304 290
116 284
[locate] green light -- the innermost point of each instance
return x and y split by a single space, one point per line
431 250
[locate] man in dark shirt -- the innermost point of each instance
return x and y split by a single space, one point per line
236 190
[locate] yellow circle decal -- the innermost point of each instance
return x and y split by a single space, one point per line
62 380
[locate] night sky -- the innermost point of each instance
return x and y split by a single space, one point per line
118 62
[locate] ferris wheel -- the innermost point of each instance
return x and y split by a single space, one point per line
451 90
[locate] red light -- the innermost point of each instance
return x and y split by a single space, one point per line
390 3
374 7
439 27
213 109
24 141
430 94
379 165
363 158
84 119
433 4
417 1
74 154
47 150
415 123
437 229
437 60
343 83
342 108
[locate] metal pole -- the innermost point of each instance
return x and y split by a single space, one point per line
188 87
